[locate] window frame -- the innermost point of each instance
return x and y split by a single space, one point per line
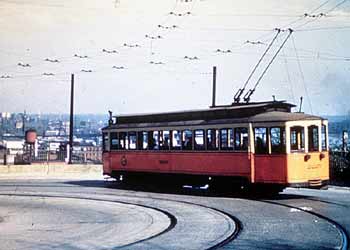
105 142
302 139
325 139
163 143
132 134
111 145
313 138
179 133
189 145
229 145
199 147
283 140
265 150
238 131
216 139
123 139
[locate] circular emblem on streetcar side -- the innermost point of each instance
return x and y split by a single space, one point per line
123 161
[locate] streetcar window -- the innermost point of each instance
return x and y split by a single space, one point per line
199 139
132 140
324 137
104 141
223 139
151 143
313 138
230 138
278 140
187 140
144 140
155 140
212 139
297 138
176 140
123 141
114 141
260 135
226 139
241 138
164 140
140 140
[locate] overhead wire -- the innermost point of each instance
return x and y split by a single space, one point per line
324 28
288 75
302 76
96 55
321 16
336 6
251 91
169 18
241 90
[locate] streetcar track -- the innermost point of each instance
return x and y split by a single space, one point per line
328 202
173 220
238 228
231 237
340 228
342 231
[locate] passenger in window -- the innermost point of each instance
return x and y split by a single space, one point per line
212 139
165 144
176 140
151 143
188 143
259 145
245 143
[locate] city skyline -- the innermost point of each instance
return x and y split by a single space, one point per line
132 57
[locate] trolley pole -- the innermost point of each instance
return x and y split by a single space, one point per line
71 120
214 86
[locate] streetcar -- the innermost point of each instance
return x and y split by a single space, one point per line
262 144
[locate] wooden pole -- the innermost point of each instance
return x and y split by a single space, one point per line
214 86
71 120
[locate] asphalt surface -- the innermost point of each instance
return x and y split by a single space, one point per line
98 214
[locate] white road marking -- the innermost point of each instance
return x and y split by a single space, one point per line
300 209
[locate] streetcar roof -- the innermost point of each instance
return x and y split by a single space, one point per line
240 110
270 116
276 111
277 116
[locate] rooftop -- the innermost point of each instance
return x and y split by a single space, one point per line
241 110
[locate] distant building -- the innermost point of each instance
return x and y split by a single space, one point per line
52 132
6 115
13 145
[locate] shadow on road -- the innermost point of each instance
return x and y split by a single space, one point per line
170 188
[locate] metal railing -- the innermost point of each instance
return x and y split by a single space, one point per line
339 167
93 156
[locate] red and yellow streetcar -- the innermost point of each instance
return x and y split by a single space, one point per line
261 143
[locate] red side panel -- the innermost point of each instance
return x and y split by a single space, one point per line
106 163
270 168
213 163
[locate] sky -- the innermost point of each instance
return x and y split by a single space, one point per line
132 56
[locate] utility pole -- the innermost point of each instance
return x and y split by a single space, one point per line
71 120
24 122
214 87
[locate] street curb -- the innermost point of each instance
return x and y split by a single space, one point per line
49 169
338 188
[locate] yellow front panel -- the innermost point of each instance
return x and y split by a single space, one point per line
301 170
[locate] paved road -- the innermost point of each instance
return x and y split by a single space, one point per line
78 214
